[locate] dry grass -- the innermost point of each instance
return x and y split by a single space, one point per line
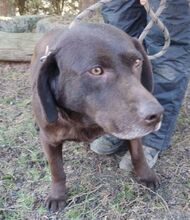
97 189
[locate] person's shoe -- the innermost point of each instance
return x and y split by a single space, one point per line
106 145
151 156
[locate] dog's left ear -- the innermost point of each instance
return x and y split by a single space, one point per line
47 73
147 75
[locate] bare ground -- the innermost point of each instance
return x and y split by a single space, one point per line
97 188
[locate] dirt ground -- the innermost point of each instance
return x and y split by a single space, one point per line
97 188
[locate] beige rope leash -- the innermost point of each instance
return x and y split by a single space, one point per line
146 30
159 23
154 20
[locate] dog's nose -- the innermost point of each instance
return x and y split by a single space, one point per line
153 118
153 114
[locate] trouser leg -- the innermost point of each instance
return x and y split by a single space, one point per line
129 16
170 93
171 72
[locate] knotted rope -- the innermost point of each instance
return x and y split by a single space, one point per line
154 20
159 23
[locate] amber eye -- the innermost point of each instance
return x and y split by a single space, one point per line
96 71
138 63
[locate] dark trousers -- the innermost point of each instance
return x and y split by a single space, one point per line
172 70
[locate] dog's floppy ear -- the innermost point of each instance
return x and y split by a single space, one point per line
48 71
147 75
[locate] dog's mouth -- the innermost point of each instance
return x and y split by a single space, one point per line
158 126
136 132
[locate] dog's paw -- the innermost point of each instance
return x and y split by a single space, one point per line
56 200
149 179
55 204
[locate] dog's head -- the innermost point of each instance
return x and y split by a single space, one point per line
103 74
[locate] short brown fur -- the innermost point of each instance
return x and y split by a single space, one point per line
70 103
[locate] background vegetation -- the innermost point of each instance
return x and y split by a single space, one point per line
22 7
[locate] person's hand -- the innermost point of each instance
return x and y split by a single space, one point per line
143 2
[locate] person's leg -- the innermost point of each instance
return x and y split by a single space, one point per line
171 75
172 70
170 87
129 16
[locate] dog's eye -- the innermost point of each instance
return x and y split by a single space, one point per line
138 63
96 71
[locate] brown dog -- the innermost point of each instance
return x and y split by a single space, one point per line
95 79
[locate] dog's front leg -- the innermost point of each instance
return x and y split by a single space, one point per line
144 174
56 198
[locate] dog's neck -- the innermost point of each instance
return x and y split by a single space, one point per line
79 127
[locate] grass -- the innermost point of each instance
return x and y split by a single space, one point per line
97 189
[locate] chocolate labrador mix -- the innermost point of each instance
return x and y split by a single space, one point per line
90 80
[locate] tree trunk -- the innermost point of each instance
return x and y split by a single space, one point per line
7 8
86 3
21 6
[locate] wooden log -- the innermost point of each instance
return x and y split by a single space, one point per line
17 47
